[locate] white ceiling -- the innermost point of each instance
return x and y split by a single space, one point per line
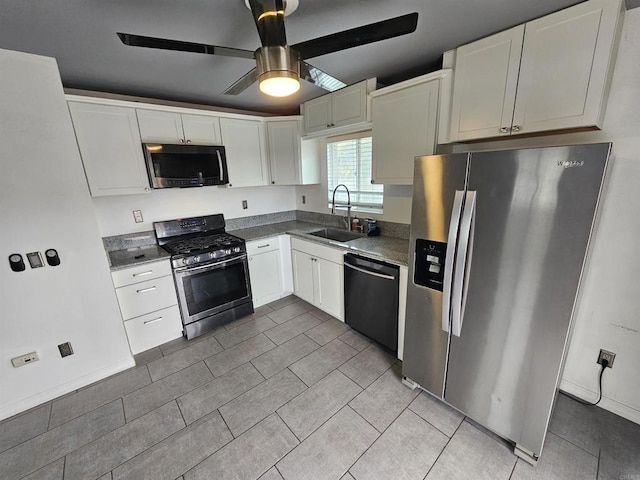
81 35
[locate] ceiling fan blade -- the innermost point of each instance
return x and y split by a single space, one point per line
242 83
319 78
177 45
374 32
269 18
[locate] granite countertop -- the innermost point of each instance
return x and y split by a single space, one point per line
391 249
119 259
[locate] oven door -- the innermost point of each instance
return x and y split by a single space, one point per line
209 289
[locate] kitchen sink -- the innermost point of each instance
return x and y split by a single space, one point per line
335 234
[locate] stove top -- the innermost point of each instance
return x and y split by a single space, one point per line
198 240
203 243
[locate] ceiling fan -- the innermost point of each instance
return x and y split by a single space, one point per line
280 66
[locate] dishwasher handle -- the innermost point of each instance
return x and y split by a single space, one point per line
369 272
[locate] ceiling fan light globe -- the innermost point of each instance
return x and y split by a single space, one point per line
279 84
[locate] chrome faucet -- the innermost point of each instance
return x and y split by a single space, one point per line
347 206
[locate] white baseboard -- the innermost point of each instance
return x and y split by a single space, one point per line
43 397
588 395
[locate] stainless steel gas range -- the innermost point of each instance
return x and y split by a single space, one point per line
210 271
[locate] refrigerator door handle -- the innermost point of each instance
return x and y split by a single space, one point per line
452 241
463 263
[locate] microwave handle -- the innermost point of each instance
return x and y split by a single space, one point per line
220 165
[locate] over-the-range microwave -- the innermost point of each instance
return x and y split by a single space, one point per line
185 165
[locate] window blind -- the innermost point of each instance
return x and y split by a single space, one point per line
349 163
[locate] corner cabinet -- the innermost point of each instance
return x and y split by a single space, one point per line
318 276
289 163
549 74
110 147
172 127
245 148
333 112
404 118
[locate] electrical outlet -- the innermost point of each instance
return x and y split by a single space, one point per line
24 359
137 216
65 349
304 199
609 356
245 205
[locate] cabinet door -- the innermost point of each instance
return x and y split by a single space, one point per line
565 62
404 127
110 147
245 147
284 152
161 127
302 275
266 280
349 105
201 129
329 287
484 86
317 114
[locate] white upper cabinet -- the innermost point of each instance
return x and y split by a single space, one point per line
567 87
484 88
404 126
171 127
283 139
110 147
340 109
551 73
244 144
292 161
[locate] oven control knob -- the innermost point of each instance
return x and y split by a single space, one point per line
236 250
185 261
227 252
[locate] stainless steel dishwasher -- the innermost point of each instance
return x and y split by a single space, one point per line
371 298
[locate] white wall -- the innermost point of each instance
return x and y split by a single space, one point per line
608 310
115 217
397 198
45 203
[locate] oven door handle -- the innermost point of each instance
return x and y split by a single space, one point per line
209 265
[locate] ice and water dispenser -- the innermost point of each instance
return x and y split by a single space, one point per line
429 263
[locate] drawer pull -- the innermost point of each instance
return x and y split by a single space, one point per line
148 272
263 246
142 290
153 321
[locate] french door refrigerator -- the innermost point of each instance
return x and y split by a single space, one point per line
498 244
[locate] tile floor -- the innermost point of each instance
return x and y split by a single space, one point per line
291 393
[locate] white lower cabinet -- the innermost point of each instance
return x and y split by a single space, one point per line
318 276
148 304
265 270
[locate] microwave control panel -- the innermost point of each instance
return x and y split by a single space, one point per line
429 263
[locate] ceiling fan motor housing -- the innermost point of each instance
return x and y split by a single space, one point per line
277 61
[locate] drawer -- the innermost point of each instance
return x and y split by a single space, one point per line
140 273
145 297
153 329
264 245
316 250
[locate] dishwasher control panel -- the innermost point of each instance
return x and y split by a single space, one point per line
429 263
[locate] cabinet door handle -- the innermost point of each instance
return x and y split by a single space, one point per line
188 141
152 321
515 128
504 130
142 290
263 246
148 272
182 140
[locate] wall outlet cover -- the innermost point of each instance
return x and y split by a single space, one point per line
245 205
137 216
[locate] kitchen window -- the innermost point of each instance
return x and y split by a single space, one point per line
349 163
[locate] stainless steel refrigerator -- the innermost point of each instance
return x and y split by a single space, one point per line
498 245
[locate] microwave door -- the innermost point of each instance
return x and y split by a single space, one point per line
185 165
